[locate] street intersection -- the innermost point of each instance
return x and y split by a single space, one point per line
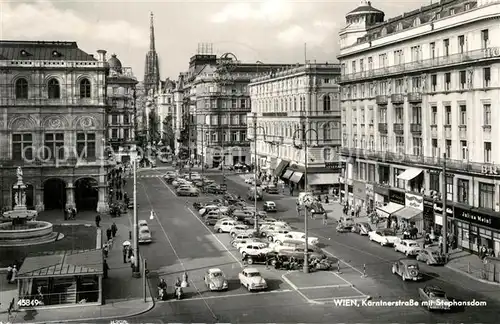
182 242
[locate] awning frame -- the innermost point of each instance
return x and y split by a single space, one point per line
391 209
416 212
410 174
281 168
309 182
286 175
295 175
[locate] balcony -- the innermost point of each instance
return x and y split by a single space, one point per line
416 128
434 131
462 132
487 132
415 97
399 128
437 62
381 100
447 131
382 128
324 113
418 160
274 114
397 98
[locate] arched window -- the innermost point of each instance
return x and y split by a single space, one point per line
327 103
326 132
54 89
85 88
21 89
294 104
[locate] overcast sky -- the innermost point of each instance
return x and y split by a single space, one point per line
272 31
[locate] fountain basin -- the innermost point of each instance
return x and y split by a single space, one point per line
31 232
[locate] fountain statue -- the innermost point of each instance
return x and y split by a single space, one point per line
20 226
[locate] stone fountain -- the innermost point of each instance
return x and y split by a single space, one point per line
20 226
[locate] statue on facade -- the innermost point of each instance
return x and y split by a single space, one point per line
423 84
19 174
470 77
16 199
23 198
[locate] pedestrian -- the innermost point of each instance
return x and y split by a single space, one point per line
9 272
105 250
66 214
130 253
114 229
325 219
98 220
105 269
108 233
132 261
125 252
125 197
14 273
117 195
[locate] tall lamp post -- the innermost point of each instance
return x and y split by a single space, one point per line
135 237
255 128
303 131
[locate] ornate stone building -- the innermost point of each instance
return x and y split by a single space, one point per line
52 124
151 66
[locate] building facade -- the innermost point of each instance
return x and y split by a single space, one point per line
121 118
151 65
286 103
418 92
167 113
53 125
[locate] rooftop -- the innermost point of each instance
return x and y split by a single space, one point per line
42 50
300 68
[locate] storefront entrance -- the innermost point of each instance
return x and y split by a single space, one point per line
86 194
54 194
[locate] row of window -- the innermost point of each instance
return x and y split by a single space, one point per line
233 119
325 131
53 147
209 88
115 119
291 153
125 133
292 103
234 103
227 136
446 47
53 88
448 81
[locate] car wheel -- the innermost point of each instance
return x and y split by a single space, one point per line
407 254
278 242
395 249
248 288
382 243
403 277
393 270
249 261
270 238
263 234
428 262
219 230
370 238
250 235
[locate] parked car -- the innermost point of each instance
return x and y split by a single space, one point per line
215 280
431 257
270 230
241 243
341 228
239 229
271 236
252 279
255 248
187 191
316 208
298 252
434 298
214 189
211 220
383 237
362 228
286 245
407 269
408 247
225 226
272 189
262 258
145 235
270 206
295 236
142 223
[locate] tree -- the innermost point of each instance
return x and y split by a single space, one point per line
169 136
154 129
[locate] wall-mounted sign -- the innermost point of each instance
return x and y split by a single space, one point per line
489 169
477 217
334 165
359 189
397 197
414 201
369 190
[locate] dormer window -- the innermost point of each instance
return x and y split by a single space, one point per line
416 22
399 27
56 54
452 11
467 6
383 32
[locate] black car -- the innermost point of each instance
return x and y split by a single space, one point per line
269 258
316 208
213 189
272 189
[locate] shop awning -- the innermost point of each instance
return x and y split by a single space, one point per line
389 209
408 213
296 176
287 174
281 166
322 178
410 174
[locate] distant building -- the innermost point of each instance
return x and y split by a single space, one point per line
151 66
167 112
121 119
288 102
417 87
53 99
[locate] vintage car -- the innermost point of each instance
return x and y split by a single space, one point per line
434 298
214 189
252 279
408 247
362 228
262 258
345 220
145 235
383 237
316 208
298 252
215 280
240 243
270 206
187 191
278 238
211 220
407 269
341 228
272 189
431 257
240 229
142 223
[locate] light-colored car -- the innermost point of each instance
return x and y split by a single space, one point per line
287 245
384 237
431 256
179 181
241 243
408 247
269 230
362 228
142 223
145 235
298 236
346 221
239 229
271 236
265 224
215 280
251 279
255 248
434 298
188 191
225 226
270 206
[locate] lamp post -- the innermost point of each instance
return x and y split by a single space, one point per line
255 128
305 146
136 273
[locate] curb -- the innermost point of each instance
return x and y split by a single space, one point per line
492 283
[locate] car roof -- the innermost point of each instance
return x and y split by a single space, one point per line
214 270
409 241
434 289
251 270
409 261
142 221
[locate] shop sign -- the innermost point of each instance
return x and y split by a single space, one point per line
369 190
489 169
397 197
438 209
359 189
414 201
383 191
476 217
428 203
336 166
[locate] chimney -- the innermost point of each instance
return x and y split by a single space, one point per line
102 55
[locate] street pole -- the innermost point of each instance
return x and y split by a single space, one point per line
144 280
444 213
306 245
202 150
135 238
256 221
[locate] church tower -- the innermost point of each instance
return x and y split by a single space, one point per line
151 68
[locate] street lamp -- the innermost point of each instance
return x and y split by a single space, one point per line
135 237
305 146
255 128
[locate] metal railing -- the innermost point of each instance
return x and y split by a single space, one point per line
386 156
484 53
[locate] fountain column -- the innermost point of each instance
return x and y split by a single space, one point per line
102 203
39 205
70 196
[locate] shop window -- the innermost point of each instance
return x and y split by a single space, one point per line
449 187
434 183
486 195
398 183
371 172
463 191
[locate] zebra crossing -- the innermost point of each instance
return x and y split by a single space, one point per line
144 176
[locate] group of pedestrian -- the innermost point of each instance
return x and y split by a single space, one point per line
12 273
128 254
485 252
69 213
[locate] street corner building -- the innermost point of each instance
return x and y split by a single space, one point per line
294 110
418 94
53 104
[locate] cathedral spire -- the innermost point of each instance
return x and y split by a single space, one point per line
151 33
151 68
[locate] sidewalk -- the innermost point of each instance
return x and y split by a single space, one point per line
473 267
